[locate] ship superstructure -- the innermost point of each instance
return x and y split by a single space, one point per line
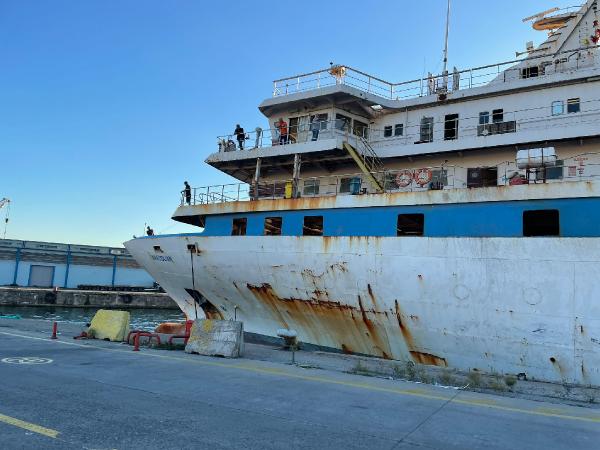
449 220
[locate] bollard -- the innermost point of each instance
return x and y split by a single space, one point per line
136 342
54 330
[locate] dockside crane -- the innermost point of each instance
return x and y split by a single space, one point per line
5 203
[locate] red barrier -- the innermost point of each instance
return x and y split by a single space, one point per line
136 339
54 330
186 336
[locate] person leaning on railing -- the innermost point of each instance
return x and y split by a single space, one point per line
283 131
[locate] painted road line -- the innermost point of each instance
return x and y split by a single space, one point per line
482 402
48 432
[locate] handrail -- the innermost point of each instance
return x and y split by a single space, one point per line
576 168
390 89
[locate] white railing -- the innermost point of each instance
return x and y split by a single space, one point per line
545 65
584 167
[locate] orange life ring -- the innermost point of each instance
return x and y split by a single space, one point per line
423 176
404 178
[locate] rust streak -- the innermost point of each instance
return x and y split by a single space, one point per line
428 359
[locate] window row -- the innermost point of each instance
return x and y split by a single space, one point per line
535 223
573 106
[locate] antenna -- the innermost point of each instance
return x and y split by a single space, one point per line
445 72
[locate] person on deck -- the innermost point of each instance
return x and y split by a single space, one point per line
149 231
240 135
187 192
283 131
315 126
258 142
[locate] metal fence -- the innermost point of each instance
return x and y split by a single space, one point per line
537 66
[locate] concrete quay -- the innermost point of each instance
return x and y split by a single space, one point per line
19 296
67 394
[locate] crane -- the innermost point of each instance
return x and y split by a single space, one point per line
5 202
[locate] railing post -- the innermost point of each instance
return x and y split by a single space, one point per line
207 194
238 193
319 80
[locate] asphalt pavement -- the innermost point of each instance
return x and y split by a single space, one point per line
67 394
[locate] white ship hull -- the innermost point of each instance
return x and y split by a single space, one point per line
504 305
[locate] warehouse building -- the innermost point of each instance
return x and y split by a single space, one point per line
46 264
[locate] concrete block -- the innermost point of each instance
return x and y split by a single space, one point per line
110 324
216 338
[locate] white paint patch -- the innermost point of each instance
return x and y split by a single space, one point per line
26 360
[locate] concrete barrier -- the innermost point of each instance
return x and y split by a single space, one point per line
216 338
110 324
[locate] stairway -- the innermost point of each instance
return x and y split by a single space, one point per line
367 160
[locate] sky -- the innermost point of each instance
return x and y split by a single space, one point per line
107 106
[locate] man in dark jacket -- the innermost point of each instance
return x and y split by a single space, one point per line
240 135
187 192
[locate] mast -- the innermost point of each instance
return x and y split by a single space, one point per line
445 71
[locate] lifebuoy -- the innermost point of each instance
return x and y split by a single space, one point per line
404 178
423 176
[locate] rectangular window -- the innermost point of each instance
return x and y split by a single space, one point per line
484 117
426 134
543 222
558 108
530 72
238 227
273 226
573 105
313 226
387 131
311 186
345 185
399 129
342 122
451 127
482 177
556 172
360 129
498 115
410 225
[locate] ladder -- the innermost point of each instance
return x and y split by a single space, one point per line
367 161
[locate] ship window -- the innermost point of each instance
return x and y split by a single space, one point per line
399 129
360 129
558 108
426 134
543 222
238 227
387 131
556 172
482 177
342 122
484 117
498 115
313 226
451 127
311 186
273 226
345 185
410 225
530 72
573 105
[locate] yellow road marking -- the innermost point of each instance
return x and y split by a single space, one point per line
420 393
29 426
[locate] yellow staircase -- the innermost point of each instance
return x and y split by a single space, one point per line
367 161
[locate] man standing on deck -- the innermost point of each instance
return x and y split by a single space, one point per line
240 135
149 231
283 131
187 192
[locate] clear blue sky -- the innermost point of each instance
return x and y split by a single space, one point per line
106 106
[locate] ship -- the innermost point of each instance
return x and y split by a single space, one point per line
451 220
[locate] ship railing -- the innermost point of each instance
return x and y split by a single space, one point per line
405 180
537 65
298 133
582 167
556 113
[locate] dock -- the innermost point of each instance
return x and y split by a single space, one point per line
68 393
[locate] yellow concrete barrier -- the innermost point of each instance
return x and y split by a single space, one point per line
110 325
